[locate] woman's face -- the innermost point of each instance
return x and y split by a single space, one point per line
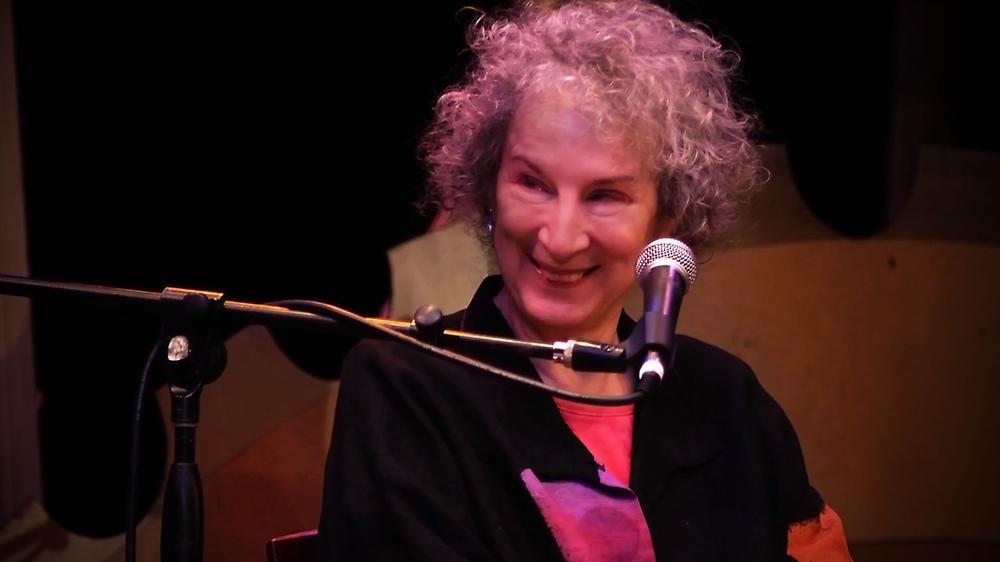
573 211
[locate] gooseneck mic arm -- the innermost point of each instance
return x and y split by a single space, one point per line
580 355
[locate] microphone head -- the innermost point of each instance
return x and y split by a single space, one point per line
667 252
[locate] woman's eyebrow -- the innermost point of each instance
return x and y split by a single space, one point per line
624 178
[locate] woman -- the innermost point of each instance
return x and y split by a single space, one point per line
582 133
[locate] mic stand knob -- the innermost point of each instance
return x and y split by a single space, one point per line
429 321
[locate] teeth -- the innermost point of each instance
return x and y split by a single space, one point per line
560 277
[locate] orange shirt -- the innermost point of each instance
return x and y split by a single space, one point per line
605 430
819 540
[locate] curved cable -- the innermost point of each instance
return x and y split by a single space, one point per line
133 456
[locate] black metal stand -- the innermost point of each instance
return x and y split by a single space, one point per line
183 524
195 358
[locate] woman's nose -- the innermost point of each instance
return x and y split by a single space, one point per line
564 231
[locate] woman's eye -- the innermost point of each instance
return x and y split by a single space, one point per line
530 182
608 195
607 202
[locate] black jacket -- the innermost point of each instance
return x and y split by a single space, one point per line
426 456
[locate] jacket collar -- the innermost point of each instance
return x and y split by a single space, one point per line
672 427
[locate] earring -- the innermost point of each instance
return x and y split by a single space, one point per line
490 222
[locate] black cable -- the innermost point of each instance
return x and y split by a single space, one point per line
341 314
133 457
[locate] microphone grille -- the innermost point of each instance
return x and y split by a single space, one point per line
667 249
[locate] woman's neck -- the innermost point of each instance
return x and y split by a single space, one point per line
600 384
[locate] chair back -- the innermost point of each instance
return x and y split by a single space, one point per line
296 547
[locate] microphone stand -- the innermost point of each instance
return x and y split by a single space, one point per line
195 357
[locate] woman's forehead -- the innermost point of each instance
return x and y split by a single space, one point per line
562 116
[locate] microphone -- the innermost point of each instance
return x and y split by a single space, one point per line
666 269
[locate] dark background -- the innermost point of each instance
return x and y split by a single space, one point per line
269 152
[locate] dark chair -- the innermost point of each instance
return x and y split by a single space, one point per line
296 547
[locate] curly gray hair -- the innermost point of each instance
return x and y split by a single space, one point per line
647 79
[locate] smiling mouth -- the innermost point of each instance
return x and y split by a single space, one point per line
557 276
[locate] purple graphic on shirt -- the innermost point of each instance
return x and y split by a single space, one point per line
593 523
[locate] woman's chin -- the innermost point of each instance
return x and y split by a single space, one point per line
561 318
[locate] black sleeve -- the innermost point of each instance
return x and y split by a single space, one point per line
392 490
794 498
